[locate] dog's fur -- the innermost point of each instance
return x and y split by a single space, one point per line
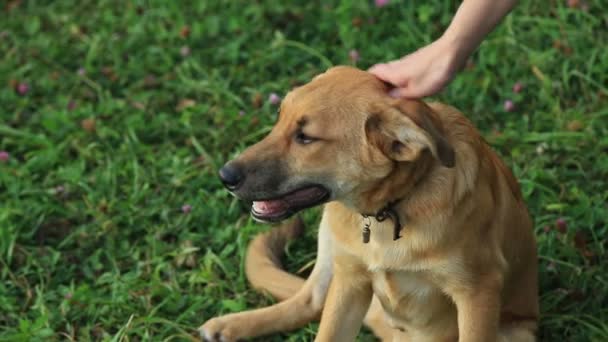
465 267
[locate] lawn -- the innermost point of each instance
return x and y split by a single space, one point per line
115 116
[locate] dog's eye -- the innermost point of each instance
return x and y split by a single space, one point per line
303 139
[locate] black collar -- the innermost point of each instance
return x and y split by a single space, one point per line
388 211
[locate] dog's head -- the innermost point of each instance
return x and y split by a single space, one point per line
335 139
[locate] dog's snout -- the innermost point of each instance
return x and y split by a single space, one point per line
231 176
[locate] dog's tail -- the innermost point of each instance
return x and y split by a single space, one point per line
263 265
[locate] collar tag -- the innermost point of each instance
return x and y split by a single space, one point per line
366 231
387 212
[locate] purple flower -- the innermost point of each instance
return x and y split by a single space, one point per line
4 156
517 87
68 295
274 99
81 71
186 208
23 88
71 105
354 56
381 3
561 225
184 51
241 113
509 106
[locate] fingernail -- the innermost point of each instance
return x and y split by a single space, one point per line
379 66
395 92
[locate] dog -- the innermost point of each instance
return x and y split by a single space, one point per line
424 234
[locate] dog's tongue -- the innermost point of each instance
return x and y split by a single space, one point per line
271 207
279 206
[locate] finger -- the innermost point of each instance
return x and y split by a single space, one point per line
407 93
379 70
387 73
374 68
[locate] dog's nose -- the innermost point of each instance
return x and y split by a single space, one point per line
231 176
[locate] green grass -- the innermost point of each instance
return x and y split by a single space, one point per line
93 241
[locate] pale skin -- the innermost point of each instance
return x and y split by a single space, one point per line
429 69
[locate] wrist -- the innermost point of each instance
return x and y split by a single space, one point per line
456 51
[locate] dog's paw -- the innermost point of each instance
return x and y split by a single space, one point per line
219 329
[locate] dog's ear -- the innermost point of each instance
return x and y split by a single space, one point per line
402 129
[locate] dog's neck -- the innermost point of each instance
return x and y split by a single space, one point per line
399 184
387 212
386 200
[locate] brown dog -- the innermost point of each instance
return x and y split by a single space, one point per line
451 254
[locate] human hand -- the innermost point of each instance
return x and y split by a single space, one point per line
422 73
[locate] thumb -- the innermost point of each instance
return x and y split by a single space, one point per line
406 92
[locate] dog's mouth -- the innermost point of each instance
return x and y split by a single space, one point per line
280 208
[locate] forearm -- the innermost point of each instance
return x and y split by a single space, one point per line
473 21
429 69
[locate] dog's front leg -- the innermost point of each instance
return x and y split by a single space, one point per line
349 297
479 311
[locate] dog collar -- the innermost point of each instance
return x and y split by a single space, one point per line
388 211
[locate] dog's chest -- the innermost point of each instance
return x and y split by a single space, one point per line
409 298
394 287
